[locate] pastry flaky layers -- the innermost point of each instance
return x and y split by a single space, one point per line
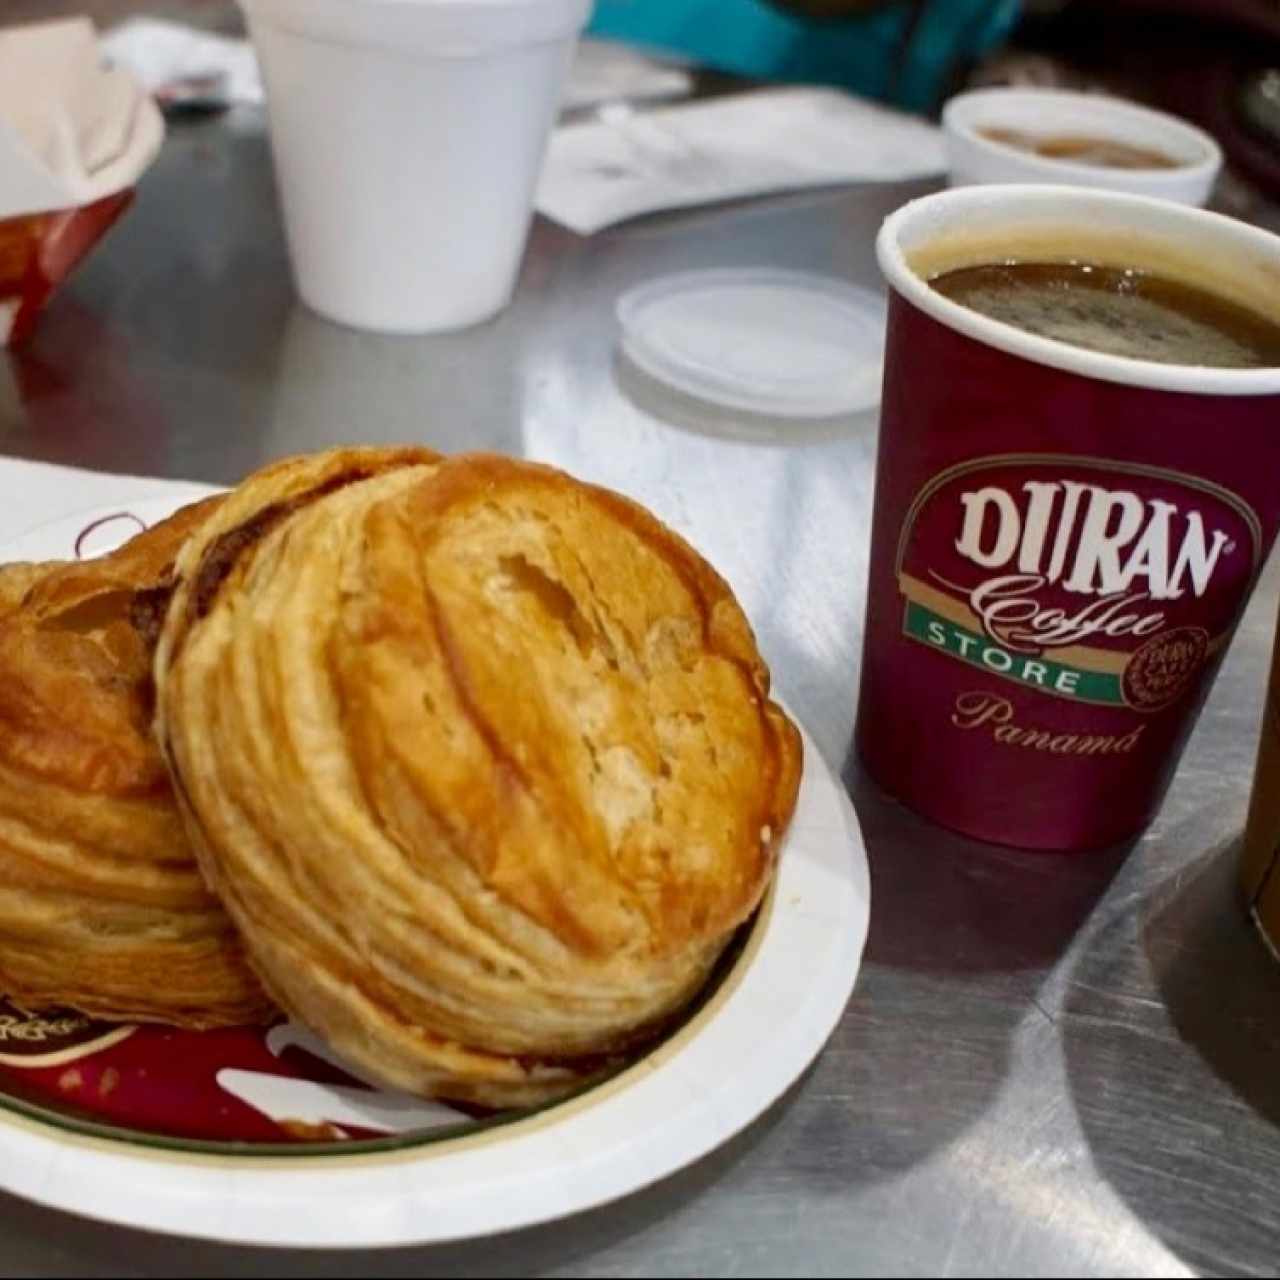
102 906
480 759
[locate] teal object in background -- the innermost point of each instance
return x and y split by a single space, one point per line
906 53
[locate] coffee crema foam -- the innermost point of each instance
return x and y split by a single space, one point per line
1119 312
1234 274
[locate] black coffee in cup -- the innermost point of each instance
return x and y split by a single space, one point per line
1118 311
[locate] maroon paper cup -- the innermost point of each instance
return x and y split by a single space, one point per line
1063 541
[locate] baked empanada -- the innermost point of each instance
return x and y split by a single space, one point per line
102 906
480 759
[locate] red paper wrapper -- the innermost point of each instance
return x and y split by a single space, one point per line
184 1087
39 251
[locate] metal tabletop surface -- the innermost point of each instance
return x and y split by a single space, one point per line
1051 1065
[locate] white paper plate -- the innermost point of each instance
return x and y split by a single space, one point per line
768 1018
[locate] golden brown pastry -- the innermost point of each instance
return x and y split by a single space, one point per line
16 580
480 759
102 907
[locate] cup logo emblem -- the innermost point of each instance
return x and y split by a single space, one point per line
1090 580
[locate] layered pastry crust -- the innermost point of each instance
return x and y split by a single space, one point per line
102 906
480 759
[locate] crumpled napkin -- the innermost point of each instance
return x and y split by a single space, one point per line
72 130
176 61
168 55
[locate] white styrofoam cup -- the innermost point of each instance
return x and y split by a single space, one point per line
408 135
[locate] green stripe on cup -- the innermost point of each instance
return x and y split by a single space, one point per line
1034 672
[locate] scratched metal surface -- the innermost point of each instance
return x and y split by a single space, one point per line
1051 1066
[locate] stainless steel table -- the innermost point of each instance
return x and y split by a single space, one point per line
1051 1065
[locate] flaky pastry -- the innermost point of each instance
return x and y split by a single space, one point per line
102 906
481 760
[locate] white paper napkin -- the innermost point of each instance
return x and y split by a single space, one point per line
627 162
36 493
164 54
71 130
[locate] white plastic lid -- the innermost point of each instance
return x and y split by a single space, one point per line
780 343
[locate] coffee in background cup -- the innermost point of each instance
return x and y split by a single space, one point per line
1260 850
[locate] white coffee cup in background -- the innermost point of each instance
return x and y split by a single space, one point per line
1054 113
408 136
